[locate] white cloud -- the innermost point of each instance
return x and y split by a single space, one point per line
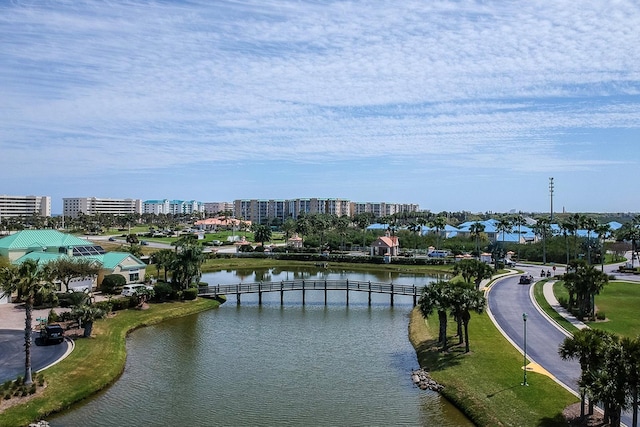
163 83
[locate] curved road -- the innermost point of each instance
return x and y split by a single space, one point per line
507 301
12 354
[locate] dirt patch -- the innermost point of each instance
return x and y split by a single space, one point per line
572 415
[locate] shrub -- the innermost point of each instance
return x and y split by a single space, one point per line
106 306
53 316
111 282
563 302
600 315
190 294
32 389
65 316
163 291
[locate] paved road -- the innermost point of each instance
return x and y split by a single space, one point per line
508 300
12 354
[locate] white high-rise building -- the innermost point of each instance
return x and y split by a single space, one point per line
13 206
72 206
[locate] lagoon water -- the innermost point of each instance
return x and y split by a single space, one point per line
296 365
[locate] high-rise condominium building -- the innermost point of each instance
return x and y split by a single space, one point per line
72 206
14 206
176 207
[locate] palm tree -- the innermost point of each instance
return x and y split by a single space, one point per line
604 232
414 228
631 348
341 225
586 282
542 228
630 231
473 271
163 259
503 226
590 224
261 233
577 222
463 300
288 227
28 281
439 223
567 228
519 221
363 220
476 229
436 297
587 346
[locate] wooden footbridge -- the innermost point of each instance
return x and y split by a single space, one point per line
259 288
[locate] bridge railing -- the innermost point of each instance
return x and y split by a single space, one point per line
304 285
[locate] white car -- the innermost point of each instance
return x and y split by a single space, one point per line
130 290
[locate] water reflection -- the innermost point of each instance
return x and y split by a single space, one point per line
315 273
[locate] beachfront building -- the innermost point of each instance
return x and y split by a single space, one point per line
214 208
21 206
73 206
379 209
174 207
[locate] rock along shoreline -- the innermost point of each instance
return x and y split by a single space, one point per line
423 380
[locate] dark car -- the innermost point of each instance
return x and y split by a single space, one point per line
112 239
53 334
526 279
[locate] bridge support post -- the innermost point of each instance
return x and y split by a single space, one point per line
391 295
303 301
415 296
369 293
281 293
238 298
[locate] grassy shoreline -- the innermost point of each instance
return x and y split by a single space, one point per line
485 384
95 363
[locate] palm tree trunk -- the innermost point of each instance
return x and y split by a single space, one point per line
442 334
634 393
28 380
466 335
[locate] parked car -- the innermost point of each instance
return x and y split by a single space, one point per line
112 239
526 279
144 243
130 290
52 334
509 262
216 243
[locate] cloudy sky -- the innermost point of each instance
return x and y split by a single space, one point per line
453 105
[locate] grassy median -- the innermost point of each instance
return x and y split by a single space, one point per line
486 383
96 362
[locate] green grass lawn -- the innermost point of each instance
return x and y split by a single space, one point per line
486 383
96 362
619 301
544 305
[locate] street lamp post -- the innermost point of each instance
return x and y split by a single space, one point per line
524 365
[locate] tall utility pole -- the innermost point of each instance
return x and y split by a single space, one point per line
551 194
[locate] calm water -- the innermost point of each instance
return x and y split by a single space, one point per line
269 365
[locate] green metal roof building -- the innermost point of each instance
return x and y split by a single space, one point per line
48 245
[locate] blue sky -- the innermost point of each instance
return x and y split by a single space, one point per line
453 105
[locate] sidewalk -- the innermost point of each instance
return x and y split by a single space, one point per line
547 290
